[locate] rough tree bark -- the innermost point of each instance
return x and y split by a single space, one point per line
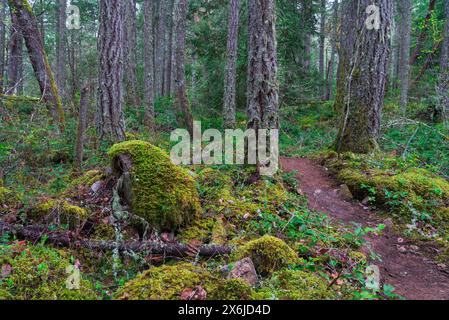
61 53
184 113
263 88
365 79
423 34
405 12
168 69
2 42
231 67
160 47
15 59
130 55
331 68
82 126
322 40
148 63
443 81
110 95
28 26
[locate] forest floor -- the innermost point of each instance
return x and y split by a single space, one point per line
403 261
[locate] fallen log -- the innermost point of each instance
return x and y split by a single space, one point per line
69 239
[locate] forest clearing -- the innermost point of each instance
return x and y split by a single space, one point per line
248 150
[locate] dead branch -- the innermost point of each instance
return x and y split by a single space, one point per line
69 239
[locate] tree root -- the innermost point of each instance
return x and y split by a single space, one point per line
69 239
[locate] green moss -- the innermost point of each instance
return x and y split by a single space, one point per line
200 230
232 289
87 179
295 285
38 273
104 231
268 253
163 194
69 214
5 196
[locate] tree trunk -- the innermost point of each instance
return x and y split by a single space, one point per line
443 81
148 63
263 88
322 40
184 113
330 71
169 50
231 67
2 43
160 47
365 79
82 125
110 95
61 53
130 57
33 40
405 12
15 49
423 34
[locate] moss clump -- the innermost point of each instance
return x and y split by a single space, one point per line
166 283
233 289
87 179
162 193
268 253
295 285
5 196
38 273
68 213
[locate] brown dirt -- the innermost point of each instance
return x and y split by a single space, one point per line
404 264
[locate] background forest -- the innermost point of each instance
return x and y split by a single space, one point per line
84 108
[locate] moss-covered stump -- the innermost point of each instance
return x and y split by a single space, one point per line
38 273
295 285
268 253
163 194
170 281
66 212
6 196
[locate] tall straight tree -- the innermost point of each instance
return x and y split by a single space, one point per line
263 88
160 47
2 42
148 62
405 12
443 81
423 34
322 40
331 68
365 79
15 58
231 66
184 113
61 52
130 56
168 68
110 95
27 23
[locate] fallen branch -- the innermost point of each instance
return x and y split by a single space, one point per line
68 239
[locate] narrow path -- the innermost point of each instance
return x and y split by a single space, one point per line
403 262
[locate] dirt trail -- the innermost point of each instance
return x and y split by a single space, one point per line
403 263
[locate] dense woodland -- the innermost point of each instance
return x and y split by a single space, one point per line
92 208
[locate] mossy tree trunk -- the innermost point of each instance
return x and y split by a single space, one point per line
110 95
364 76
27 23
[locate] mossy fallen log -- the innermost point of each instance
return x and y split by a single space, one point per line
69 239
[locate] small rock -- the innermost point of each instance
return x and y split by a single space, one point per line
198 293
299 191
245 270
414 248
402 249
400 240
442 266
96 186
345 192
317 192
365 201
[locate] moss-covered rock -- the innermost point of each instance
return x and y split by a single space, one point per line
5 196
268 253
295 285
86 180
162 193
168 282
68 213
38 273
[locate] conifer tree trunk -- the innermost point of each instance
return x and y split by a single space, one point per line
231 67
148 62
331 69
184 113
33 39
443 81
405 11
61 52
110 95
15 50
364 84
2 43
322 40
263 88
130 56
